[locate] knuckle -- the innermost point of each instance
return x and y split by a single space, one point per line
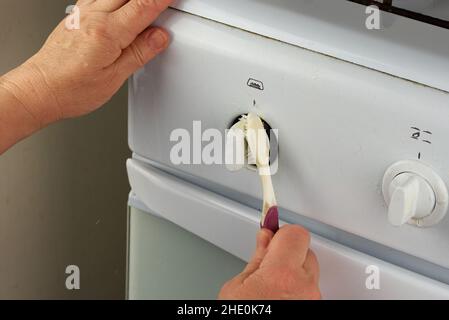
98 31
138 55
153 4
297 231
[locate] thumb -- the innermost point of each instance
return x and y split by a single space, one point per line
143 49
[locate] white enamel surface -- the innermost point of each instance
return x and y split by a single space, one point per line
403 47
233 227
340 125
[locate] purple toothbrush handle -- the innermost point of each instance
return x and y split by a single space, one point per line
272 220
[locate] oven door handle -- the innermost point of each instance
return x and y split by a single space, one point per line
221 221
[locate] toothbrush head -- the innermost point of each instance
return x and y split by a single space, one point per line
271 220
258 141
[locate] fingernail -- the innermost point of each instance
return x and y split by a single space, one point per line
157 39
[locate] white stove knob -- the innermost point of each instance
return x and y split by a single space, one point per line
415 194
411 197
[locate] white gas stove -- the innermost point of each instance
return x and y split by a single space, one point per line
360 99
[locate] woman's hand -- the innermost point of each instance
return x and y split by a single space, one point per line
283 267
77 71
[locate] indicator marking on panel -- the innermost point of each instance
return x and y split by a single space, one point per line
421 135
256 84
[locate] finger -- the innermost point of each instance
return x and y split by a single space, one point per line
147 45
289 246
312 266
109 5
135 16
264 238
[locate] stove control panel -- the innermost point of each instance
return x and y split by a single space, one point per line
360 152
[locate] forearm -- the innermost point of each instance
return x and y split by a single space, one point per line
25 106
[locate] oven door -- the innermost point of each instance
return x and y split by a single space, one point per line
185 242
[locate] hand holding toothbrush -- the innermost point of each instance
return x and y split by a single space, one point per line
283 267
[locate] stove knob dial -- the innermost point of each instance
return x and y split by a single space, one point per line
414 194
411 197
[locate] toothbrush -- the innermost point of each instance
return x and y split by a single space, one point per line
259 152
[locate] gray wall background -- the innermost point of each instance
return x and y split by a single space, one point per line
63 191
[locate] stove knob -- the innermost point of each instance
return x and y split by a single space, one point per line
415 194
411 197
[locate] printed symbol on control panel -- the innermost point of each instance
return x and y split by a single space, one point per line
256 84
421 135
